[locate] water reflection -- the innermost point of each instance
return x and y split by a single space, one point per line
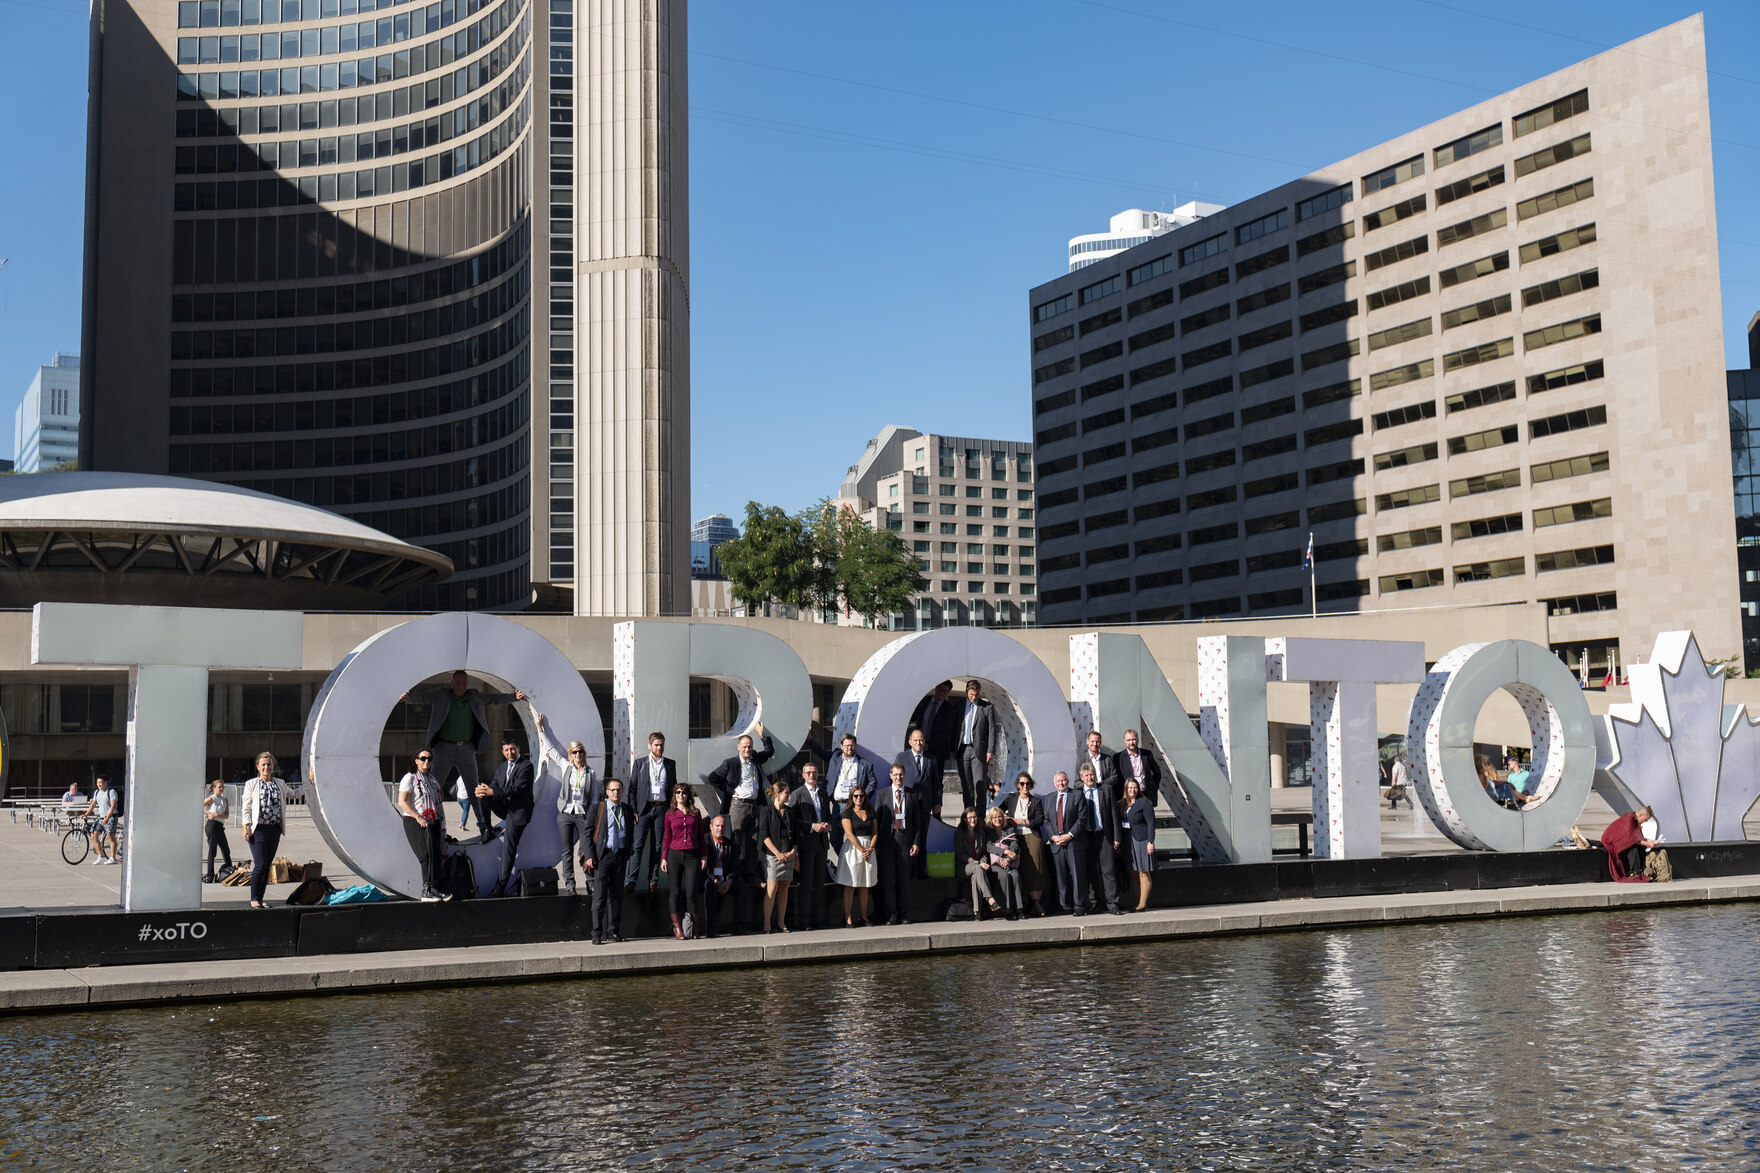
1615 1040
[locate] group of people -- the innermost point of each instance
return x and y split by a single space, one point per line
838 824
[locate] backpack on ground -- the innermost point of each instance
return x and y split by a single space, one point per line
311 891
459 878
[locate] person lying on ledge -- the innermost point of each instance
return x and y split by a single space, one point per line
1625 843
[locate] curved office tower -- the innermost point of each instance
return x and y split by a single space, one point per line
316 233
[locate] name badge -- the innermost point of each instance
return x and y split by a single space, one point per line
717 873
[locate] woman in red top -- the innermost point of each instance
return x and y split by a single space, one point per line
1625 844
681 858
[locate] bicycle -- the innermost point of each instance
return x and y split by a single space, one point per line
76 845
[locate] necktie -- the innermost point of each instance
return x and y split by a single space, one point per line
1060 812
898 805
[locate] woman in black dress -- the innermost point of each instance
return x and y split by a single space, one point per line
857 869
1138 826
776 843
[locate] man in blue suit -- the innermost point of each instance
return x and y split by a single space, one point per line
613 822
1066 826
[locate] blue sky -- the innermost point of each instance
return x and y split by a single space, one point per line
874 188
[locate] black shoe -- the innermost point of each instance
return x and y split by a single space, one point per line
598 940
568 891
1078 912
893 920
618 937
1116 911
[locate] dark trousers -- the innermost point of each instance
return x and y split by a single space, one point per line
895 877
713 900
649 824
684 871
215 830
264 839
577 836
974 776
1103 859
425 842
513 829
742 826
1070 862
810 881
608 893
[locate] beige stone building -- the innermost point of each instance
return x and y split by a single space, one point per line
1480 363
965 508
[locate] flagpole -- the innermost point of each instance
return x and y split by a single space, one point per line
1313 595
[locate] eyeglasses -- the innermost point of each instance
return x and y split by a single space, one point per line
422 757
575 751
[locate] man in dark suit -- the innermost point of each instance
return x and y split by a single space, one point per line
1136 762
904 834
937 715
922 777
1105 769
1066 836
740 782
1103 836
613 823
650 786
721 872
976 746
509 794
811 810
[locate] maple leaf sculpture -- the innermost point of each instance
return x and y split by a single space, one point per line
1678 749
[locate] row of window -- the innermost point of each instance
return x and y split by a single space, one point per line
346 38
400 484
210 14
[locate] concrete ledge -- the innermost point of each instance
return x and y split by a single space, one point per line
25 991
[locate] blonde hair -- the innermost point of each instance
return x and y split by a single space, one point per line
574 745
274 765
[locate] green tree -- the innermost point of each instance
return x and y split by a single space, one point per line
771 561
868 570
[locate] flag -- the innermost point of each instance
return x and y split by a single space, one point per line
1308 558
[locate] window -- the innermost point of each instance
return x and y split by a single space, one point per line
1262 262
1570 421
1337 511
1403 498
1152 302
1047 341
1324 202
1193 253
1474 355
1154 268
1208 354
1282 482
1102 353
1154 370
1053 370
1336 235
1104 453
1509 478
1574 466
1103 488
1409 539
1481 397
1333 551
1158 545
1572 559
1208 427
1562 287
1557 153
1147 407
1152 476
1480 571
1466 187
1467 229
1109 554
1563 332
1477 312
1227 532
1342 470
1264 336
1336 393
1573 604
1414 581
1094 423
1401 457
1405 415
1404 250
1210 608
1263 298
1342 430
1472 144
1208 571
1403 210
1150 337
1111 317
1265 411
1332 314
919 507
1562 197
1209 317
1210 462
1485 527
1210 497
1090 391
1264 225
1476 441
1402 333
1327 592
1398 173
1042 437
1544 116
1055 402
1203 284
1404 291
1321 278
1210 390
1050 309
1276 560
1563 242
1327 355
1265 449
1565 377
1473 270
1411 372
1100 289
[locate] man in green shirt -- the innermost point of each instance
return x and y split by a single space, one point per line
457 729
